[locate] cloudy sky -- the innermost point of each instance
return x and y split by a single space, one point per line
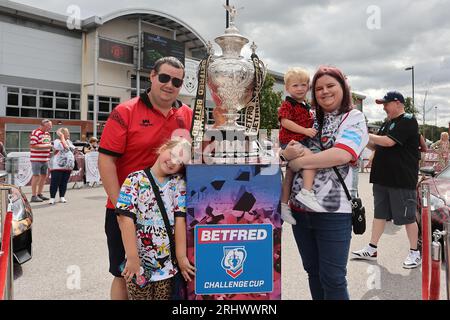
371 41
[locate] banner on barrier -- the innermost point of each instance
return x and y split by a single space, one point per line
91 165
24 173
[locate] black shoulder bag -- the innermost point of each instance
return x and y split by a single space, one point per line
358 210
178 283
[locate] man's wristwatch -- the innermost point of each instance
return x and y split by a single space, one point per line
282 157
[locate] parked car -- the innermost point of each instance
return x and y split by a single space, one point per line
21 225
439 196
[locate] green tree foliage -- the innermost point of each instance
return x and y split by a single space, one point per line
409 108
270 102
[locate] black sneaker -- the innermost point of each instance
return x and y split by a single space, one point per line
36 199
44 198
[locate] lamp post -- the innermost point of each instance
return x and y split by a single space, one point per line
227 17
435 118
412 72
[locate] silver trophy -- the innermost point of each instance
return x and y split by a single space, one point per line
232 83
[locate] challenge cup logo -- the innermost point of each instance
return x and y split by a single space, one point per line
233 260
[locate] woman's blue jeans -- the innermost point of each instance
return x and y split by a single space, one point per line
323 240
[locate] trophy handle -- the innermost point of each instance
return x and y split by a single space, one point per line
264 74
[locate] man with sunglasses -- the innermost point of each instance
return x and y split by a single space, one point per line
134 131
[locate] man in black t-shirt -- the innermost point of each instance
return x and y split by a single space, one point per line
394 175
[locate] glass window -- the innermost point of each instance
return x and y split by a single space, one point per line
62 94
29 91
28 113
46 93
75 116
103 116
29 101
75 104
115 100
11 89
12 140
62 114
12 112
62 104
91 106
103 107
90 116
75 96
102 98
24 143
46 103
46 114
13 99
74 136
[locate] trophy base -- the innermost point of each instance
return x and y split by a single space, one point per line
230 146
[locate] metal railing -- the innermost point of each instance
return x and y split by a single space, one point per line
447 256
431 252
6 255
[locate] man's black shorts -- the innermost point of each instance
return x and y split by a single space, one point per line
115 245
394 203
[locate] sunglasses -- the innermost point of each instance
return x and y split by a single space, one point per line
164 78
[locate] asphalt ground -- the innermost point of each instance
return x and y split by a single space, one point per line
70 259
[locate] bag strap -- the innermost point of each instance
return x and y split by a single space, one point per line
162 209
341 180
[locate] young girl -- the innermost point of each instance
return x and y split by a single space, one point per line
149 266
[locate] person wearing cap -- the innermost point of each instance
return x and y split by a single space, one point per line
394 175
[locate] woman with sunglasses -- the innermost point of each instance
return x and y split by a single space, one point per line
134 131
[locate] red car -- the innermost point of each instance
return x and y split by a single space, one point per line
439 196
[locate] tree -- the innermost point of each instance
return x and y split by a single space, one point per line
409 108
270 102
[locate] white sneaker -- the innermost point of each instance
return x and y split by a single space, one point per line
367 253
286 214
63 200
51 201
308 198
413 260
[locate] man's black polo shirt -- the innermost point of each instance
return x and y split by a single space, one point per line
397 166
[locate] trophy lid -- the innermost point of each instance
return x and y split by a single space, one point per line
231 42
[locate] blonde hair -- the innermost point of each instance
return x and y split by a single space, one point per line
93 139
444 135
64 131
296 74
181 144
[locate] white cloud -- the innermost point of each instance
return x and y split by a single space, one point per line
310 33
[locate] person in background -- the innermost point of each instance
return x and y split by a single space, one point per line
2 150
394 175
92 146
442 147
61 165
40 148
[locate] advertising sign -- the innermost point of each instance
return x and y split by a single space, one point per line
116 51
233 259
156 47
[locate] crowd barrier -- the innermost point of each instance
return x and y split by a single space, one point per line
431 159
19 164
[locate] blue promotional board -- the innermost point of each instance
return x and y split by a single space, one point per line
233 259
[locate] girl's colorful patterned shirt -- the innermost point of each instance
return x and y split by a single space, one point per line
137 201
